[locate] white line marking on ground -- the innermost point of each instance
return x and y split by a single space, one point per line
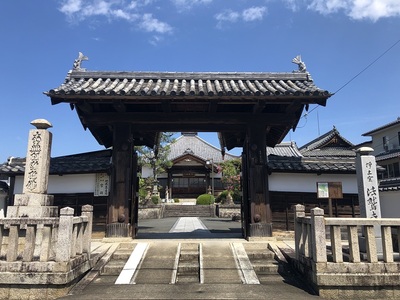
176 262
245 268
132 263
188 224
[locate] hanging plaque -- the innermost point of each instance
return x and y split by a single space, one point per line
102 185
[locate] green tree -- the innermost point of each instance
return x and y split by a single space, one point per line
157 157
231 176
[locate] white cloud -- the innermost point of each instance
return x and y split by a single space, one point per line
358 9
293 5
251 14
254 13
151 24
228 16
188 4
130 11
71 6
78 10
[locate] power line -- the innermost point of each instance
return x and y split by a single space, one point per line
354 77
367 67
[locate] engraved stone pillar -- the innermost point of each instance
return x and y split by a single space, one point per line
34 201
368 192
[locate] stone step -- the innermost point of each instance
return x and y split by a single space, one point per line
114 267
188 268
267 255
188 211
265 267
188 279
121 255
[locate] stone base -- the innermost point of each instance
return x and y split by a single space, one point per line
32 211
41 280
30 199
260 230
118 230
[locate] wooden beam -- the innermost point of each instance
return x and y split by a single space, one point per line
104 118
119 106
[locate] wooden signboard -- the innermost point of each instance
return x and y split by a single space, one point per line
329 190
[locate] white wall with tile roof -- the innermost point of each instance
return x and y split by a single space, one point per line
307 183
79 183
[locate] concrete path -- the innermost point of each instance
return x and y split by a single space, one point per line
226 271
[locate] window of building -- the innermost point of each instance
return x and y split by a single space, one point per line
386 143
398 138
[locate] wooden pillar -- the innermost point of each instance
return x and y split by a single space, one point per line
245 205
259 209
120 199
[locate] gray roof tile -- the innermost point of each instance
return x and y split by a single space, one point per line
187 84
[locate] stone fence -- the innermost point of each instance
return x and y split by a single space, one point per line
44 255
327 252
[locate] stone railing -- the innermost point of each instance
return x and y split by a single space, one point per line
327 251
44 254
46 239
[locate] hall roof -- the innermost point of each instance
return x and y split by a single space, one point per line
330 144
192 144
154 102
286 158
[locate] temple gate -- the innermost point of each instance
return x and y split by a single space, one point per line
249 110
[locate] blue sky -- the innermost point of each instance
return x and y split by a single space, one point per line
336 39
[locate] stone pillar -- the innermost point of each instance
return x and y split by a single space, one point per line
318 235
368 192
87 210
299 212
65 236
34 201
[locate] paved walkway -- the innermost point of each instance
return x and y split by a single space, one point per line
214 234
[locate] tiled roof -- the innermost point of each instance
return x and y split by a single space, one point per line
194 145
396 122
224 102
330 144
395 153
288 149
210 84
391 184
90 162
285 157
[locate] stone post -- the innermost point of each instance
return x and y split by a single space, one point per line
34 201
368 192
65 237
299 212
87 210
318 235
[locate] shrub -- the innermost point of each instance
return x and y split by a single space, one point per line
176 200
155 199
205 199
221 197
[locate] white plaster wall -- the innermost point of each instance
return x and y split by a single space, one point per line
80 183
390 204
307 183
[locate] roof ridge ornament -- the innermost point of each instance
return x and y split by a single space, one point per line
77 62
302 66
